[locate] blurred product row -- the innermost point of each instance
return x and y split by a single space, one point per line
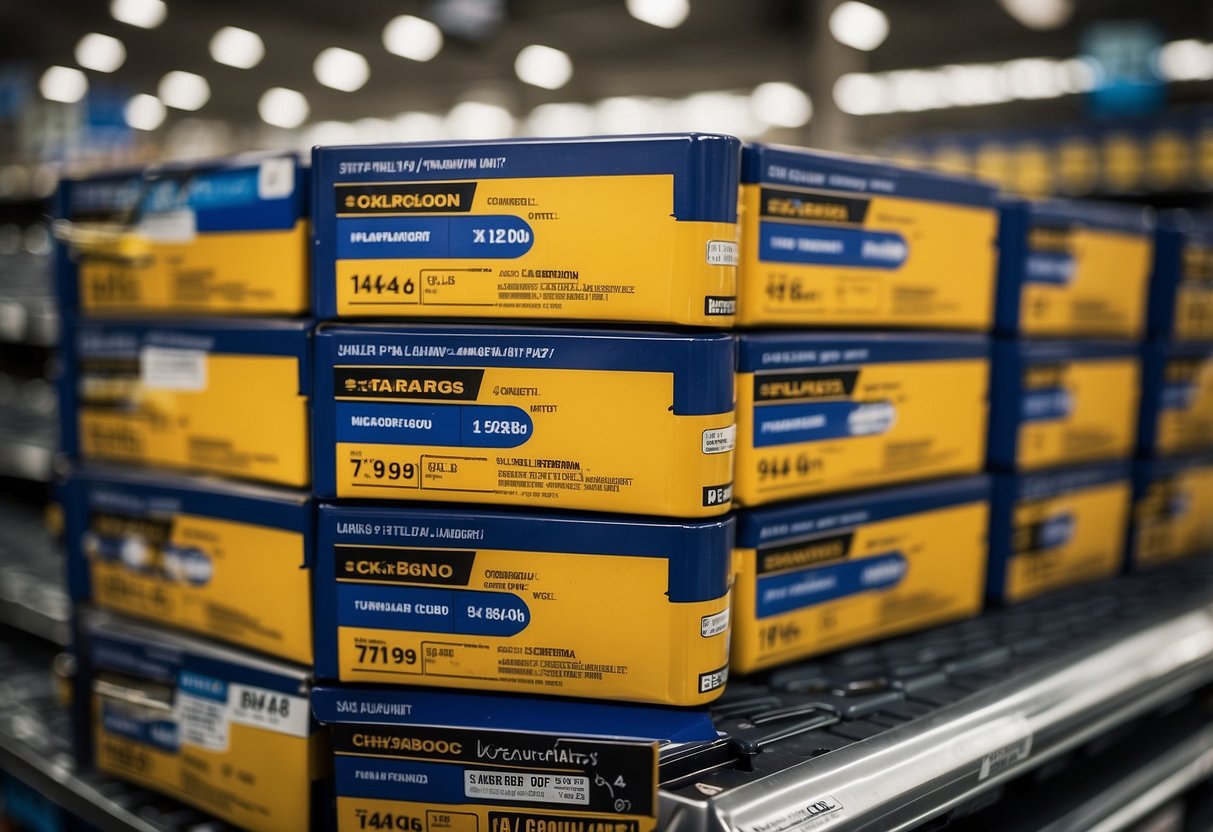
394 513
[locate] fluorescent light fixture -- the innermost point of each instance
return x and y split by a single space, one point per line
372 129
239 48
413 38
420 127
667 14
1039 14
144 112
1185 60
543 66
330 132
100 53
146 14
282 107
916 89
1032 78
968 85
629 114
184 90
780 104
64 84
560 120
858 25
717 112
479 120
861 94
341 69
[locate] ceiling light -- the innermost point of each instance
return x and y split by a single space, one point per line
144 112
1186 60
1032 78
341 69
64 84
1039 14
240 48
100 53
560 120
330 132
780 104
628 114
280 107
413 38
420 127
858 25
668 14
916 90
373 130
146 14
861 94
184 90
479 120
543 66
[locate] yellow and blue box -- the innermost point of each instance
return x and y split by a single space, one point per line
1073 269
576 605
223 237
819 413
1181 288
818 575
227 732
1056 529
450 761
227 397
1057 403
620 421
1172 510
1176 399
636 229
195 554
837 241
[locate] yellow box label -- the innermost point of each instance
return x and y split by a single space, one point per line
588 439
856 427
256 779
1088 411
235 415
1068 539
1100 290
529 622
220 273
355 814
602 248
206 575
864 260
857 585
1185 418
1194 295
1174 518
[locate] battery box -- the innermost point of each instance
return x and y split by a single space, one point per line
818 575
824 412
223 237
636 229
224 731
1057 528
1058 403
618 421
1181 288
837 241
1176 399
226 397
522 602
197 554
449 761
1172 510
1069 268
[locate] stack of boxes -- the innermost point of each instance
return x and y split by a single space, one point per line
393 532
1173 478
1065 392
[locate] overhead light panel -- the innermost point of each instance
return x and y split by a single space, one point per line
282 107
100 53
413 38
858 25
668 14
1039 14
184 90
1186 60
780 104
144 112
479 120
543 66
861 94
64 84
341 69
420 127
560 120
239 48
146 14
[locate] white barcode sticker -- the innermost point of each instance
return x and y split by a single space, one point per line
721 253
164 368
719 440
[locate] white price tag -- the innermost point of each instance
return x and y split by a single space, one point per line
164 368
